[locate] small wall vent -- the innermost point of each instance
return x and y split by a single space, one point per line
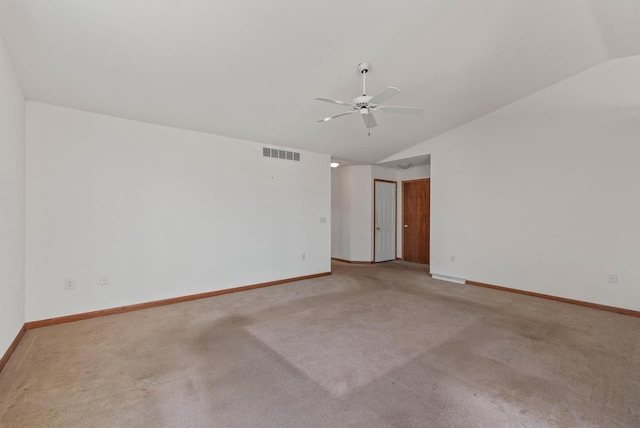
268 152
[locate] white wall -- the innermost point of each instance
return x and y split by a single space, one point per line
11 202
352 200
414 173
381 173
164 212
340 214
542 195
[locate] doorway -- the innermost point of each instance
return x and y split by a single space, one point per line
384 233
416 207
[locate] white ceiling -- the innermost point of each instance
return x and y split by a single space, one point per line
619 23
250 69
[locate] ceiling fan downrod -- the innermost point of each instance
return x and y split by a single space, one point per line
363 68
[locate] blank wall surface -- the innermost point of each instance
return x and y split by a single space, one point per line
11 202
352 200
164 212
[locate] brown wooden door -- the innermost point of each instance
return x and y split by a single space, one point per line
415 220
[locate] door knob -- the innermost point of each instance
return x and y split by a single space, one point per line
406 225
377 228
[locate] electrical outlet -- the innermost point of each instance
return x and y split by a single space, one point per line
69 284
104 279
613 278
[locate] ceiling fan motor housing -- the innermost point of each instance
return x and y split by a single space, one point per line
362 103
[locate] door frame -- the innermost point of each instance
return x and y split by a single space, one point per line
404 242
395 226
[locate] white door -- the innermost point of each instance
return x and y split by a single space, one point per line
385 221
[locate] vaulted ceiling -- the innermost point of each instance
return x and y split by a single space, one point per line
250 69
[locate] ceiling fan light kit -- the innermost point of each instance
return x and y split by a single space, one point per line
366 104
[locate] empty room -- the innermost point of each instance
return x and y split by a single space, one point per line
320 214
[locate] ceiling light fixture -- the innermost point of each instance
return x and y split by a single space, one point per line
334 164
405 165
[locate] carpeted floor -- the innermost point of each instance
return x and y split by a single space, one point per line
369 346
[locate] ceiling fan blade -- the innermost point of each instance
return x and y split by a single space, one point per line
369 120
405 110
385 95
326 119
329 100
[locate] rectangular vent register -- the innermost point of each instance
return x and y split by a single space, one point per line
280 154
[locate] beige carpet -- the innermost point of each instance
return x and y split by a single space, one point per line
370 346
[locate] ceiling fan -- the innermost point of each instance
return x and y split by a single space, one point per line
367 104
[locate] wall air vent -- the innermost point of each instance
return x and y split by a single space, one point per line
268 152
